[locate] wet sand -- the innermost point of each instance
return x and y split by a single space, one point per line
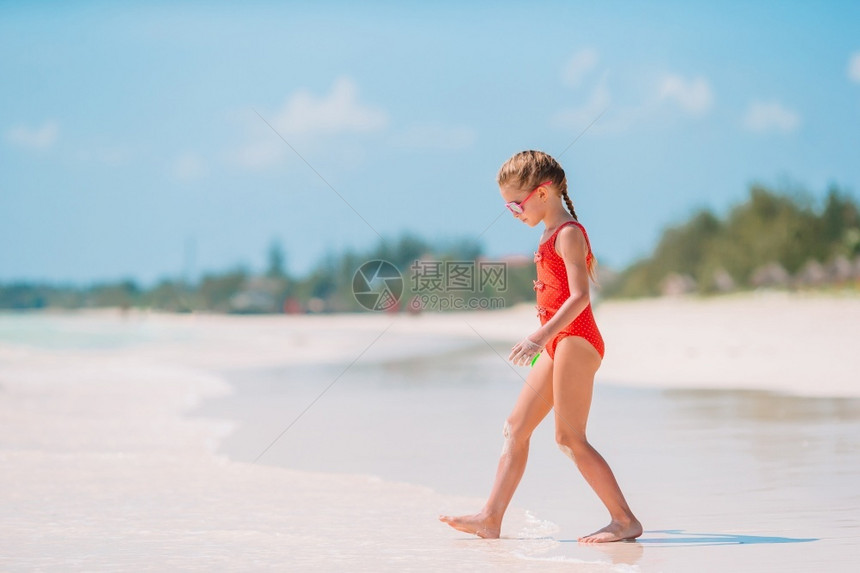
710 469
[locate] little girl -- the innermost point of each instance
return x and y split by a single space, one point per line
534 184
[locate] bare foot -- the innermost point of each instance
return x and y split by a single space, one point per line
615 531
478 524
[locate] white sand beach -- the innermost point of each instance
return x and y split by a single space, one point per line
128 440
792 343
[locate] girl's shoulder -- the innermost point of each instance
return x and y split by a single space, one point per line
572 234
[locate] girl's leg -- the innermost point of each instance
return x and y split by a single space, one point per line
534 403
576 362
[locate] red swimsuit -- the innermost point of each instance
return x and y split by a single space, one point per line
552 290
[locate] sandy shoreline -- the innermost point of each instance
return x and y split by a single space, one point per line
790 343
794 344
103 469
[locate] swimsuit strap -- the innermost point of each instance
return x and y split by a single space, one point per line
577 223
585 233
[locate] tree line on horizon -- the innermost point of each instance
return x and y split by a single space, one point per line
328 287
772 239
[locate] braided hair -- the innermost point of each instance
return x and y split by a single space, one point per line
527 169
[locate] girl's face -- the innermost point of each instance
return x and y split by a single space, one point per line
532 202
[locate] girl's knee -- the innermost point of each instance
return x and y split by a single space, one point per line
514 436
571 444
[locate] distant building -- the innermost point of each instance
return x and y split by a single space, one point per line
812 274
840 270
723 281
316 305
770 275
675 284
258 295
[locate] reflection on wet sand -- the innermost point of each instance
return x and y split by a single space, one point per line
624 553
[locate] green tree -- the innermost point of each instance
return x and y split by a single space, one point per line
276 261
841 224
769 227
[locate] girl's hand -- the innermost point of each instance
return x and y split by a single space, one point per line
524 351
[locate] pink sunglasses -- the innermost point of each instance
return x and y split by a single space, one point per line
516 207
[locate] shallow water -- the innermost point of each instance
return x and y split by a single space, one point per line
745 477
101 330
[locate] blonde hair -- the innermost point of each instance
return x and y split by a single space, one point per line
528 169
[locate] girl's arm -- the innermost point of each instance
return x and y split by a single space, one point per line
573 248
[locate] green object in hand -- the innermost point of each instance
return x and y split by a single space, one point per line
534 359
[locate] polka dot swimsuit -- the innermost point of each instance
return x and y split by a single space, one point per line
552 290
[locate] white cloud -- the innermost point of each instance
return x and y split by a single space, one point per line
189 166
771 116
42 137
637 107
693 96
578 66
308 117
436 136
854 67
337 112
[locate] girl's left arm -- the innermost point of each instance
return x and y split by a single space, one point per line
573 248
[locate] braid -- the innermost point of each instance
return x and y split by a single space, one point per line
592 267
567 200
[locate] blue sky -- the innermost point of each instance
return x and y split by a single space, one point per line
130 134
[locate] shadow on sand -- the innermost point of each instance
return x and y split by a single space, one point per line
671 537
